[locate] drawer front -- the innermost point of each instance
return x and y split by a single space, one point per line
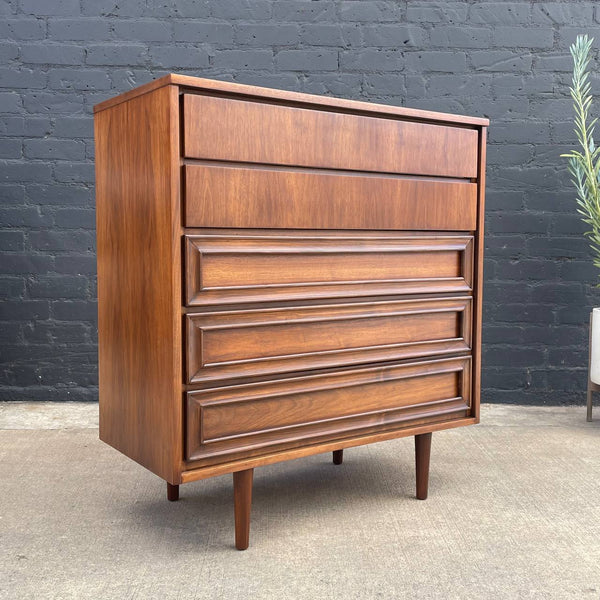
226 196
226 269
245 420
236 130
250 343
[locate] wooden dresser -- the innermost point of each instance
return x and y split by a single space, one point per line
281 274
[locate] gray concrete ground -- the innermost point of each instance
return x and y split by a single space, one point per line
513 512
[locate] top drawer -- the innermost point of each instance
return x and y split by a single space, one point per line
236 130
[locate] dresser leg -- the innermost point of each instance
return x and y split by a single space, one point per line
242 501
338 457
422 454
172 492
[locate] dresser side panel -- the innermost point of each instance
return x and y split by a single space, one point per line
139 273
478 274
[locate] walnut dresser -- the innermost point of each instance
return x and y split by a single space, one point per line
280 275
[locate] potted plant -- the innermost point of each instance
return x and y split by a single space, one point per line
584 166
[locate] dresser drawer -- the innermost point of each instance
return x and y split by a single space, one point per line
249 343
258 267
228 196
249 418
255 132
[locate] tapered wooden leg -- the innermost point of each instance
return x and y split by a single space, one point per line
422 454
242 501
589 404
338 457
172 492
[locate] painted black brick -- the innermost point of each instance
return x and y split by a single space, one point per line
504 60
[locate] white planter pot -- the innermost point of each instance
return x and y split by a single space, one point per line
595 347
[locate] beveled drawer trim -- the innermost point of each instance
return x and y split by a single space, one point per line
250 343
226 269
248 418
229 196
236 130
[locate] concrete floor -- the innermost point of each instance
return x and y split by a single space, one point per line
513 512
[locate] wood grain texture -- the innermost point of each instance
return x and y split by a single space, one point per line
227 267
139 287
242 502
224 196
197 471
234 130
478 276
422 458
245 343
242 419
269 95
308 220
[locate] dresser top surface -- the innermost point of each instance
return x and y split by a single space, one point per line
199 84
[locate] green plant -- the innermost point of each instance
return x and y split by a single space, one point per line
584 165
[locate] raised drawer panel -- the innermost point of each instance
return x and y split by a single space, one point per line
246 419
249 343
225 269
236 130
224 196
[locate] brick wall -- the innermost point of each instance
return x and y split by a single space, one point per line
504 60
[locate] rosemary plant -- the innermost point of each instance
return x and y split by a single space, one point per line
584 164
